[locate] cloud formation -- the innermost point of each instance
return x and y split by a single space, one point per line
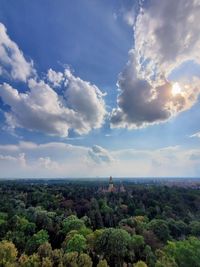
100 154
12 61
55 159
64 160
55 78
196 135
140 104
40 108
166 34
79 105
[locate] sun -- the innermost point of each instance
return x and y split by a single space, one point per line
176 89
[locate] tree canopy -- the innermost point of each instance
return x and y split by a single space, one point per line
76 224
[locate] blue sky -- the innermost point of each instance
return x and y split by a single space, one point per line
87 88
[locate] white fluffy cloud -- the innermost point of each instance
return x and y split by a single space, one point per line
40 108
55 78
79 105
12 60
87 100
166 34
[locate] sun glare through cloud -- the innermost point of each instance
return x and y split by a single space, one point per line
176 89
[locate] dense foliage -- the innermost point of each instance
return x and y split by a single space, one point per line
76 224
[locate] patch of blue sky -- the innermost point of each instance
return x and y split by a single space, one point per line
187 70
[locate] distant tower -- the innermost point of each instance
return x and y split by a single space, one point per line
111 185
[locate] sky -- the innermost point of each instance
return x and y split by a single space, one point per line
96 88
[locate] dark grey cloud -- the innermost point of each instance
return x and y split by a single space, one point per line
140 104
166 33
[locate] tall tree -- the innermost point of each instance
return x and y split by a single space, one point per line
8 253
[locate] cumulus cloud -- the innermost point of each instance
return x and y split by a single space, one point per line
55 78
166 34
140 104
40 108
79 105
12 60
87 100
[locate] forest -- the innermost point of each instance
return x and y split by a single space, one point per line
77 224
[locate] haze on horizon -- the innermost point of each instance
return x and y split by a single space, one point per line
98 88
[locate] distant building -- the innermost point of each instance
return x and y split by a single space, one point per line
112 188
